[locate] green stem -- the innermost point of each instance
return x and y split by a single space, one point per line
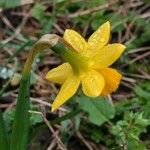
65 117
21 123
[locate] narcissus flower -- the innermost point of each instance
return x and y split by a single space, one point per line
88 65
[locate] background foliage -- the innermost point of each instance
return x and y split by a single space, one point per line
119 121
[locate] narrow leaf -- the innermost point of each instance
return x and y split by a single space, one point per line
21 122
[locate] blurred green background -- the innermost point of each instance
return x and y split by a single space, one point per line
120 121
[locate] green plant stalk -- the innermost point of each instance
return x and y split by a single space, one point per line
65 117
3 134
21 123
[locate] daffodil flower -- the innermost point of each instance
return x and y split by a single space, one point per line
87 65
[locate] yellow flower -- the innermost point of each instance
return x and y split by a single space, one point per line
88 64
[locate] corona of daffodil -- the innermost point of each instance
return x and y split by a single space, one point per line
87 64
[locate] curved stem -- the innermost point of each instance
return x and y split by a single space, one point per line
21 123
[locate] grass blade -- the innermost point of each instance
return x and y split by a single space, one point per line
21 122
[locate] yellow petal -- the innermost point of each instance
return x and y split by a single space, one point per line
100 37
59 74
67 90
93 83
75 40
108 55
112 79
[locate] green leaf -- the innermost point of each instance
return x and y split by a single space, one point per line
133 144
99 109
38 11
142 93
127 131
8 116
66 117
9 3
46 22
21 122
35 118
96 135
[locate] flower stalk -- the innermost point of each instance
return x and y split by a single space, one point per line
21 123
